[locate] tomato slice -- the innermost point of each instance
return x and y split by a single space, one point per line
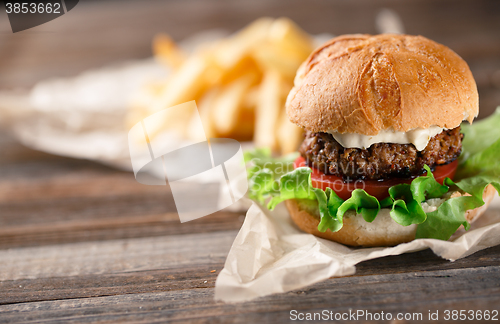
376 188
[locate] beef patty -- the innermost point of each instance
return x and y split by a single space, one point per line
381 160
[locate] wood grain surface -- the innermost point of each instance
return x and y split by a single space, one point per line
81 242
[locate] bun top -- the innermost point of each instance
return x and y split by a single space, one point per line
363 84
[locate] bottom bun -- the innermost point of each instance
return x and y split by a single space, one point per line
383 231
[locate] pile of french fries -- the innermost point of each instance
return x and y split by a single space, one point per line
240 84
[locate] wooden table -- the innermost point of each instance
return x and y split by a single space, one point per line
81 242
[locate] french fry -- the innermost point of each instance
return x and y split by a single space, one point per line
251 97
268 110
235 48
285 48
167 52
245 122
245 65
206 106
240 82
289 135
271 56
291 36
230 102
140 102
186 84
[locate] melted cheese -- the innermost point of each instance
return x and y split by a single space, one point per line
418 137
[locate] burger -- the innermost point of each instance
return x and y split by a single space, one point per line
383 142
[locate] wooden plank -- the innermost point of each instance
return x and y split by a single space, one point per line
46 199
426 260
463 288
194 276
92 258
199 275
115 228
152 265
59 219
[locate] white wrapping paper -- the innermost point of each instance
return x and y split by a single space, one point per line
271 255
85 116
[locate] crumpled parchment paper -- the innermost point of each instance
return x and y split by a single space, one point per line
272 255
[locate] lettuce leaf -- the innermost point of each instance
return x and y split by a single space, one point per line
445 220
480 135
406 209
364 204
260 158
486 160
480 170
274 180
294 185
427 187
329 203
265 185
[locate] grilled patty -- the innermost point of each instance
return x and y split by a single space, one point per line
381 160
